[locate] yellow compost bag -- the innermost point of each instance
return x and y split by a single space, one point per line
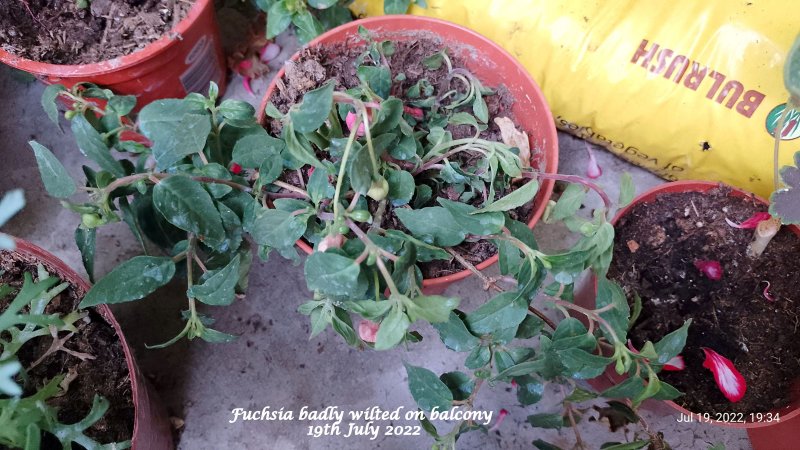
688 90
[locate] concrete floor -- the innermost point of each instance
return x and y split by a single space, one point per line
274 363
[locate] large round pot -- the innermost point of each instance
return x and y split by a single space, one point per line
151 427
493 66
184 60
763 435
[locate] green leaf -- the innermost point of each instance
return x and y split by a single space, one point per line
672 344
321 4
334 275
185 204
55 177
582 365
278 18
580 395
277 228
392 330
217 286
479 107
428 390
13 201
8 371
569 203
505 310
608 293
369 309
252 150
478 224
308 27
543 445
378 78
454 334
177 128
85 240
459 384
313 111
432 308
49 97
389 116
319 187
131 280
434 225
401 186
478 357
571 333
396 6
513 200
630 388
546 420
122 104
635 445
215 337
667 392
626 189
92 146
360 169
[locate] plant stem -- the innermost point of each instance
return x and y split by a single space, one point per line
572 179
130 179
343 167
289 187
591 314
368 134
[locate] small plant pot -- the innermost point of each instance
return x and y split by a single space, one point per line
151 427
184 60
763 435
493 66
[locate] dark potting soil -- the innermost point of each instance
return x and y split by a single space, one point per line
106 375
655 249
58 32
338 62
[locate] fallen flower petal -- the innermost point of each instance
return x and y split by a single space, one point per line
269 52
711 269
350 120
500 417
729 380
368 330
751 222
246 84
675 364
593 170
766 293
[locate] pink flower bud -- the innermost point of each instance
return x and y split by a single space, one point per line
368 330
500 417
751 222
270 52
350 120
593 170
416 113
236 169
728 379
331 241
711 269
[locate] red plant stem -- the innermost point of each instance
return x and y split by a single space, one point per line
572 179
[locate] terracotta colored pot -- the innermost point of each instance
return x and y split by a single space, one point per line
184 60
151 427
763 435
489 63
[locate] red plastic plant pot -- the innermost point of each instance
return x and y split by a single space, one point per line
763 435
184 60
151 426
493 66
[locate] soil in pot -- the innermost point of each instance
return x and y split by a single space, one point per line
339 62
655 248
106 375
60 32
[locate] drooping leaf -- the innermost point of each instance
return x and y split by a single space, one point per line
428 390
217 286
278 18
49 97
504 310
569 203
455 336
513 200
85 240
185 204
177 128
392 330
277 228
92 145
55 177
334 274
132 280
434 225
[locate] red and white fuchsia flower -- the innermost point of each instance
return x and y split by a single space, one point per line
751 222
711 269
729 380
368 330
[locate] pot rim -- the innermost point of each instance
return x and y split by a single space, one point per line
119 63
550 159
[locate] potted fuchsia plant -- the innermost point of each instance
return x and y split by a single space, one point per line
382 173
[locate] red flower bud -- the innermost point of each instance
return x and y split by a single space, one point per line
416 113
236 169
368 330
711 269
729 380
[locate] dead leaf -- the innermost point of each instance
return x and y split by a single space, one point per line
515 138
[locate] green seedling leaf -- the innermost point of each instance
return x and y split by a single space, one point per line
55 177
513 200
217 286
85 240
479 107
313 111
278 18
428 390
132 280
185 204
